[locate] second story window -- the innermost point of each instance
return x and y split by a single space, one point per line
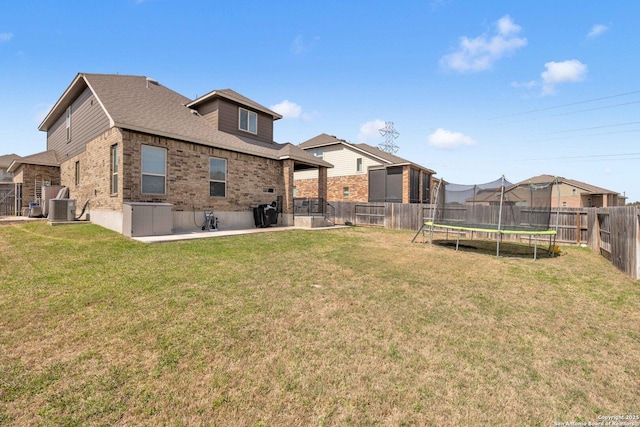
68 123
359 164
319 153
248 121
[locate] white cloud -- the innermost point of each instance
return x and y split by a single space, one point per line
300 46
526 85
287 109
447 139
562 72
370 130
597 30
5 37
480 53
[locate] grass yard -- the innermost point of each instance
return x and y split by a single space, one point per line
343 327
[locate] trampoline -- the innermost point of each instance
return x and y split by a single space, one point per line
497 207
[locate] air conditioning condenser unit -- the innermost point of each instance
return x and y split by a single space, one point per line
62 209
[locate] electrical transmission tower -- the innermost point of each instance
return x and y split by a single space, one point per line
390 134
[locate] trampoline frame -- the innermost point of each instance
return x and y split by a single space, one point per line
498 230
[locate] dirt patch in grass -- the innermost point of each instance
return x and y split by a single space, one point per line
345 327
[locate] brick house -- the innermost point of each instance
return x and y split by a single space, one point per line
363 173
122 139
577 194
30 173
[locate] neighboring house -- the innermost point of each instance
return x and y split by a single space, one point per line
5 162
32 172
7 188
576 194
363 173
122 140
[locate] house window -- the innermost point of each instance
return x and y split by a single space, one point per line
77 173
345 191
564 204
114 169
68 123
248 121
574 191
359 164
319 153
154 170
217 177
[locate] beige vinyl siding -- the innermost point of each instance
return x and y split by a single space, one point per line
344 161
228 117
306 174
88 120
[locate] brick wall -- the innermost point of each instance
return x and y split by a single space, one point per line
95 174
188 175
187 179
358 188
306 187
29 174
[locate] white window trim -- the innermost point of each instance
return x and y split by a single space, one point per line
164 175
249 114
226 175
67 121
359 165
114 168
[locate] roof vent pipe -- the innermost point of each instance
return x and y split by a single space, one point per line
150 80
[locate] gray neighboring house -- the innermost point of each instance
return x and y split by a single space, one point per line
120 141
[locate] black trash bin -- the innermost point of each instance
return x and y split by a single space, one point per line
266 215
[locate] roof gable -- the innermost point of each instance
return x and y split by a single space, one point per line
236 98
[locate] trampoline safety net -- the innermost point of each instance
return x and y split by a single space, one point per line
497 206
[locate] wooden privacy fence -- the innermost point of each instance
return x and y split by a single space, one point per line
613 232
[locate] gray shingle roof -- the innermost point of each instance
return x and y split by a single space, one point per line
6 160
44 158
324 140
142 104
592 189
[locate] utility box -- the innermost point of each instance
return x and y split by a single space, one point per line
147 219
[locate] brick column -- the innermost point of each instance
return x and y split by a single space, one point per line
405 184
287 199
322 183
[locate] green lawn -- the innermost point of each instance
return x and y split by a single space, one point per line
344 327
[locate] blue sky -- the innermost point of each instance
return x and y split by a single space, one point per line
476 89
